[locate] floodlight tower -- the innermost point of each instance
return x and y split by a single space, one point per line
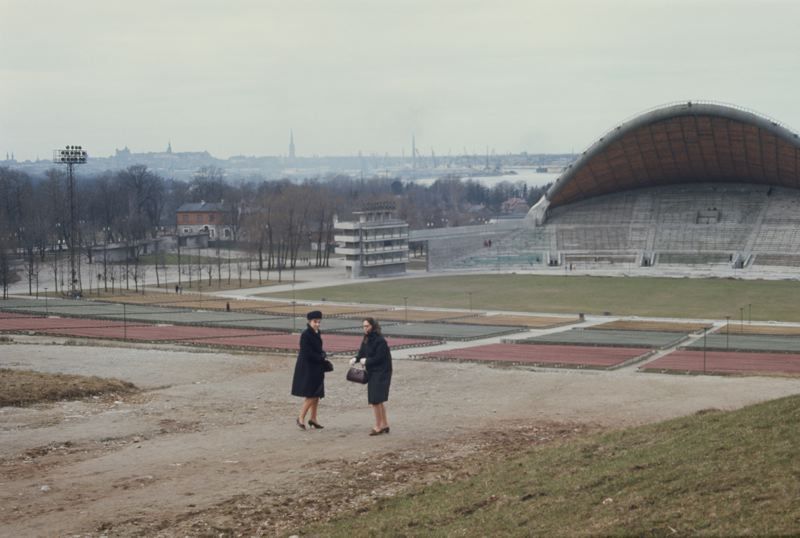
71 156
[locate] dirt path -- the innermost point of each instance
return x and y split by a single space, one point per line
211 445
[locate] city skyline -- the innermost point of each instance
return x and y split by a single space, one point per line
351 76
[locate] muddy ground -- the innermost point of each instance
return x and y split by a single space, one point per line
209 446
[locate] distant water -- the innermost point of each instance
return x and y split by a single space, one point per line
526 175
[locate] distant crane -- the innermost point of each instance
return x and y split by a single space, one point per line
413 152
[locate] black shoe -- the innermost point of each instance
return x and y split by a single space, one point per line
300 424
385 430
315 425
376 432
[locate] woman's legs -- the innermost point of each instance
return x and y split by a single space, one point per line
384 420
308 403
314 406
380 416
376 409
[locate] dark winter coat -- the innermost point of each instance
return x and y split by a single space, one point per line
309 376
379 367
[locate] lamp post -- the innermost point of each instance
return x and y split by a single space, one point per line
705 332
178 249
269 258
57 248
199 274
360 249
727 330
405 305
79 248
749 312
46 313
741 319
61 246
189 265
71 156
106 231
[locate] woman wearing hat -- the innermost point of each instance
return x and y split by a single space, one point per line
309 371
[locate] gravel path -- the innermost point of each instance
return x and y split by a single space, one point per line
211 428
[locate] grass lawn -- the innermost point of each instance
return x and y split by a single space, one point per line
713 473
641 296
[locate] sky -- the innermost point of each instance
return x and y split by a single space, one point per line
235 77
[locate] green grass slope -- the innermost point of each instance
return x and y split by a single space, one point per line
712 474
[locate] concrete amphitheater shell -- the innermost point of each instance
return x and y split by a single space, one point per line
689 142
697 184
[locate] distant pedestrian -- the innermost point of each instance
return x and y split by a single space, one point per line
376 357
177 289
309 371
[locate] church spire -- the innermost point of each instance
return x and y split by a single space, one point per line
291 144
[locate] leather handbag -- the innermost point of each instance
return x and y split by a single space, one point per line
327 366
357 374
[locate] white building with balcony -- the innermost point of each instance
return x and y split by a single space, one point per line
374 245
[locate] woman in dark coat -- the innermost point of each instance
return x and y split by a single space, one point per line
309 373
374 354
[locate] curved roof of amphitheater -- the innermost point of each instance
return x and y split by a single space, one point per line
685 143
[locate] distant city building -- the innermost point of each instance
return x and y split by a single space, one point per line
123 153
374 245
183 165
205 217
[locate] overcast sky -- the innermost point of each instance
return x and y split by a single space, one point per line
234 77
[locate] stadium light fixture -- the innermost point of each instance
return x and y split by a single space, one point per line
71 156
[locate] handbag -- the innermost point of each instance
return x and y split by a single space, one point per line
357 374
327 366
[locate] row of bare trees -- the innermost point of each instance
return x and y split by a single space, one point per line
286 219
280 224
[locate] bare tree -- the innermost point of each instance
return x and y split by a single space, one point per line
8 274
143 191
208 185
239 270
219 265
